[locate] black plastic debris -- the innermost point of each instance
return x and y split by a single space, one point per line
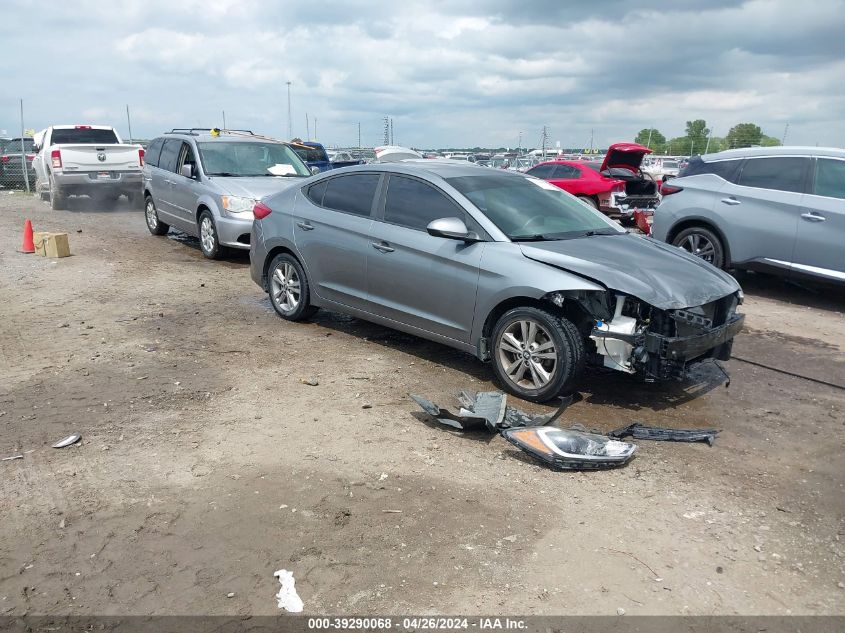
568 449
488 409
664 434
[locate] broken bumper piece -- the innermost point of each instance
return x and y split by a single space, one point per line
690 347
661 434
566 449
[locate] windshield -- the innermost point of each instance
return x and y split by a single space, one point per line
532 209
83 136
311 154
246 158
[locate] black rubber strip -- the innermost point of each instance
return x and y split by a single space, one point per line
788 373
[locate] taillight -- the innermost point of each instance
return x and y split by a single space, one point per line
620 188
141 156
56 157
30 157
261 211
4 159
667 190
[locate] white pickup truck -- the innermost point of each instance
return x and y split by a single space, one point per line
86 160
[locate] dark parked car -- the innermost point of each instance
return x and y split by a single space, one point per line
13 174
501 265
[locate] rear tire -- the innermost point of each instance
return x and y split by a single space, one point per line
289 290
155 226
703 243
58 200
536 355
590 201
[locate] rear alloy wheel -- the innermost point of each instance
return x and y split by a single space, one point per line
57 198
703 243
209 241
588 200
156 226
536 354
289 290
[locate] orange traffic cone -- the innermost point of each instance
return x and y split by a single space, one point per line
28 246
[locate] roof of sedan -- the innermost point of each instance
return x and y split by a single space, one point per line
443 168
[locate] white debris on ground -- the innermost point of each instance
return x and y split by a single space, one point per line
288 599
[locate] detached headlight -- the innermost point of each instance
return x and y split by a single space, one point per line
236 205
567 449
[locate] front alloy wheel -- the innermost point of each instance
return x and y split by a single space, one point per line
536 354
209 241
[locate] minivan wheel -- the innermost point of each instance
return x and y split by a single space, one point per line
209 242
702 243
289 290
536 355
156 226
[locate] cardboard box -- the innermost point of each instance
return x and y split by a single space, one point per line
51 244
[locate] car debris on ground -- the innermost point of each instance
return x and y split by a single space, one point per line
70 439
288 599
664 434
563 449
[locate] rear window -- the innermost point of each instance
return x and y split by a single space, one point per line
830 178
311 154
778 173
726 169
542 171
83 136
351 194
13 146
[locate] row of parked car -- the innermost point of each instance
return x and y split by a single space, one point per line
507 266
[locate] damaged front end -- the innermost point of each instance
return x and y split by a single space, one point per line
661 344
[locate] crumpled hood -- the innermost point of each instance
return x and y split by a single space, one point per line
259 187
657 273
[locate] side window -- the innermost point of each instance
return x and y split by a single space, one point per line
566 172
830 178
727 169
170 154
153 152
315 193
414 204
541 171
351 194
781 174
186 157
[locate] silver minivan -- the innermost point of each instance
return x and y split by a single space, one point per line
206 182
777 209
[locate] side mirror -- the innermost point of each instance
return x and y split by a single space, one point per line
315 170
452 229
35 149
188 170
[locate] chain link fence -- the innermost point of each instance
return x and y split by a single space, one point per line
16 155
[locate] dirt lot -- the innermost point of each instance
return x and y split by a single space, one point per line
206 464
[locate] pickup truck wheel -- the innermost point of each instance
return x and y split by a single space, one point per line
57 199
703 243
156 226
536 355
289 290
209 241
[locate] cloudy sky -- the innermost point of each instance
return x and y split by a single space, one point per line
450 73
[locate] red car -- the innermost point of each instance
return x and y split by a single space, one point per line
616 186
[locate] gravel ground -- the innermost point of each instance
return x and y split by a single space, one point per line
207 464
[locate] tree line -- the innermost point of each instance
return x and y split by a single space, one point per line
698 139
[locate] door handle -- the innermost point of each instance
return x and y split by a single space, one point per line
305 226
384 247
731 201
813 217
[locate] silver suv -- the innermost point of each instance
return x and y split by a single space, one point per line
205 182
778 209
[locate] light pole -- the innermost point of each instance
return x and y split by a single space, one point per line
290 121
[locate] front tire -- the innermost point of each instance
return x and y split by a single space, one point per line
155 226
209 240
289 290
537 355
703 243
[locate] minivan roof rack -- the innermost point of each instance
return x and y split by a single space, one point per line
194 131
